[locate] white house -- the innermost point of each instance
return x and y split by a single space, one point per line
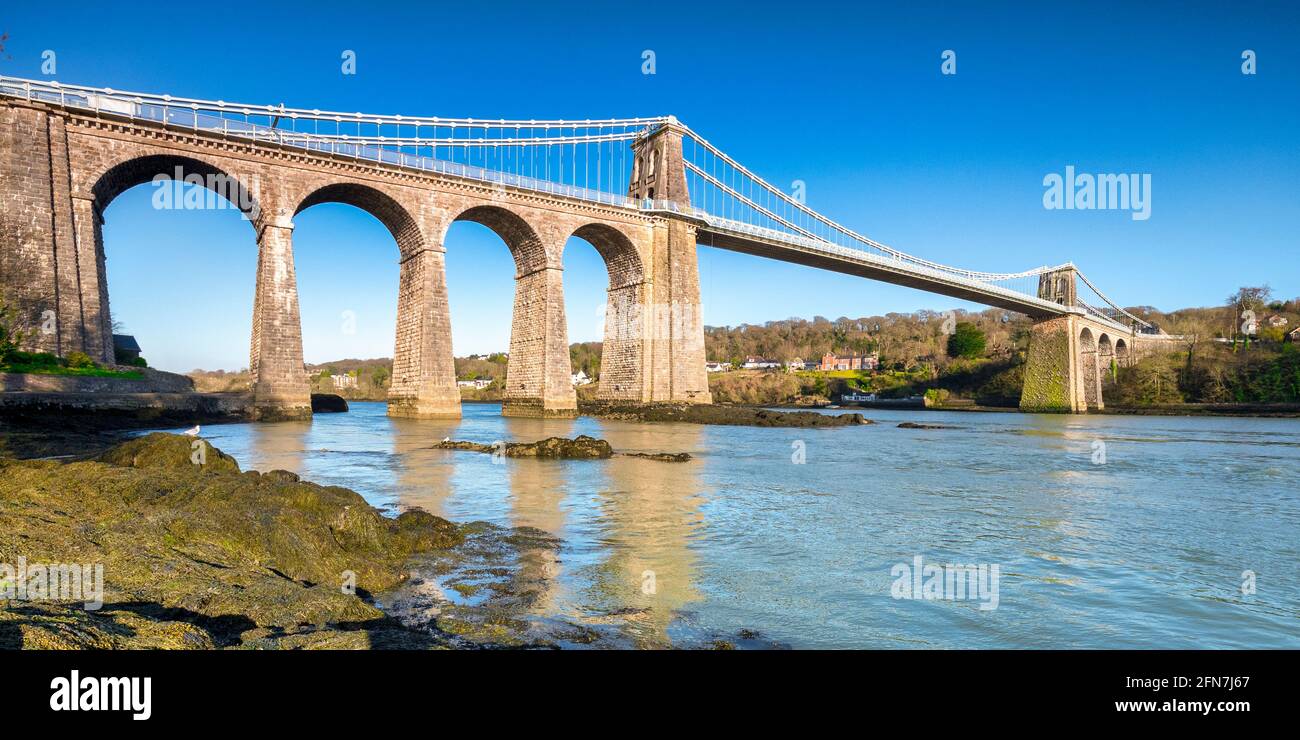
717 367
759 363
580 378
477 383
344 381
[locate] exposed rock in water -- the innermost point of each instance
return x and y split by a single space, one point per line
581 447
914 425
660 456
328 403
716 414
196 554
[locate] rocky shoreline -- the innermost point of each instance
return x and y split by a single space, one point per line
198 554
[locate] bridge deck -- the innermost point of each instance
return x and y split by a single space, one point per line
823 255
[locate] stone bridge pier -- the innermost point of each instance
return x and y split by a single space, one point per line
280 389
1070 358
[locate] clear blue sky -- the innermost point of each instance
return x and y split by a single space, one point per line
847 98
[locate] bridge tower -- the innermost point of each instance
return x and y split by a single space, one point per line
1056 364
1059 286
671 317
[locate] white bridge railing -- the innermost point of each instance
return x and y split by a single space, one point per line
528 155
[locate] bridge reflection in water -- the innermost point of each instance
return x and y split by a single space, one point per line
622 562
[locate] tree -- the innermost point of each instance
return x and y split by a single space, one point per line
1254 299
966 341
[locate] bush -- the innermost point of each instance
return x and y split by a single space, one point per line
966 341
33 359
80 360
936 396
138 362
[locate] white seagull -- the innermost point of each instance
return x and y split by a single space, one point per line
192 432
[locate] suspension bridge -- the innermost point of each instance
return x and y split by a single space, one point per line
643 191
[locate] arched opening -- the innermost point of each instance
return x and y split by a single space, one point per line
1088 369
348 276
188 220
1106 363
1121 353
534 380
605 286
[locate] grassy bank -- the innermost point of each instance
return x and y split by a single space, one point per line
75 364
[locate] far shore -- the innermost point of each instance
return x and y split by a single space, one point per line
1260 410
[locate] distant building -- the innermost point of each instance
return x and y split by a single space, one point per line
717 367
1294 335
793 365
344 381
853 361
580 378
854 397
476 383
125 348
1276 320
759 363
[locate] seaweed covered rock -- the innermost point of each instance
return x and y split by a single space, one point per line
677 457
199 553
170 451
581 447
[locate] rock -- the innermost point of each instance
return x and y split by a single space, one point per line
553 448
717 414
560 448
914 425
660 456
201 555
169 451
327 403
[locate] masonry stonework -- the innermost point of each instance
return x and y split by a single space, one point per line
1070 359
61 168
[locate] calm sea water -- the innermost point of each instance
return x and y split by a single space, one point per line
1145 550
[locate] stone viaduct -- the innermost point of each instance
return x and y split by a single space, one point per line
61 168
61 165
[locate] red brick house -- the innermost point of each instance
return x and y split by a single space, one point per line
854 361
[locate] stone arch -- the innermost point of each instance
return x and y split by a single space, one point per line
520 237
1088 369
1121 352
538 374
398 219
622 259
1105 356
622 360
97 191
140 169
423 382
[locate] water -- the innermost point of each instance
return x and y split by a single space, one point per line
1147 550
